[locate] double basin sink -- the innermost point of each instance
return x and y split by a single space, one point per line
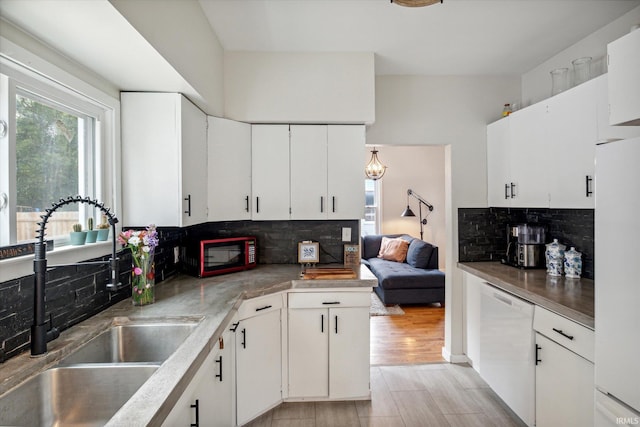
90 385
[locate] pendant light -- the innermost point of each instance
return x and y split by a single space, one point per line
374 169
416 3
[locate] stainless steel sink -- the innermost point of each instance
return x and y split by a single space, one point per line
87 395
153 342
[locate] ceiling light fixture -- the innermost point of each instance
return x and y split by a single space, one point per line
374 169
416 3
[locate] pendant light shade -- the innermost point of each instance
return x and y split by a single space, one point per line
415 3
374 169
407 212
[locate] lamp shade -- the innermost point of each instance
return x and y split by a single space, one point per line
407 212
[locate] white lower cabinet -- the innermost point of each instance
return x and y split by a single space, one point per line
328 337
258 357
208 399
564 371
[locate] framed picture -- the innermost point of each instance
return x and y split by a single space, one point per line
308 252
351 254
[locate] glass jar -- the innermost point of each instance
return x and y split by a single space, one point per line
506 110
559 80
581 70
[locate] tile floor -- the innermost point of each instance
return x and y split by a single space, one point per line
438 394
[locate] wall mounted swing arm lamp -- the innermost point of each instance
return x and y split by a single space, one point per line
409 212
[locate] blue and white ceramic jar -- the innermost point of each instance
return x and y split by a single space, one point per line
554 255
573 263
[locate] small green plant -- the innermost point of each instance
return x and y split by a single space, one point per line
77 227
89 223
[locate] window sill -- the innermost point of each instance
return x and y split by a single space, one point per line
14 268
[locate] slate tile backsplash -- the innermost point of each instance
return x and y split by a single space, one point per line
75 293
482 232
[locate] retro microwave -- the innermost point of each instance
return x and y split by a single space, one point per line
204 258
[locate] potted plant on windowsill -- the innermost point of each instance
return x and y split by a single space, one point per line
103 229
92 234
77 237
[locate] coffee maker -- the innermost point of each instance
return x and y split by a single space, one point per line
525 246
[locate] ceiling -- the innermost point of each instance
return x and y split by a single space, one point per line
456 37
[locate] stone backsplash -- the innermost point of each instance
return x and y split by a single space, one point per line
482 232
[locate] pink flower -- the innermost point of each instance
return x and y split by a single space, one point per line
137 271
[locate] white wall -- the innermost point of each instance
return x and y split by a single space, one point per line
536 84
421 169
450 111
180 32
299 87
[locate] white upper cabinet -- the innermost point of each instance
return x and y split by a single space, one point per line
229 165
345 189
606 131
529 157
308 148
624 83
499 164
571 139
270 172
164 161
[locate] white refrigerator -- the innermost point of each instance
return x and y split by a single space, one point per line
617 283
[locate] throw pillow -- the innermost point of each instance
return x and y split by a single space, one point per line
419 253
393 249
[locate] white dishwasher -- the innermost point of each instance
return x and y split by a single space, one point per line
507 350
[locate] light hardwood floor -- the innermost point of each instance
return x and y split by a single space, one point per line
436 394
415 337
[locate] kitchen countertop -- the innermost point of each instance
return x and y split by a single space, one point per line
211 301
571 298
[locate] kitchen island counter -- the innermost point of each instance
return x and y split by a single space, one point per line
571 298
211 301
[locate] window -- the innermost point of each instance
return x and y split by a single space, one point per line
371 221
52 152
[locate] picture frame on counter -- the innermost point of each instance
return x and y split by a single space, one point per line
308 252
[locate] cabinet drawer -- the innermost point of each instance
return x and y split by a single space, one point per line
565 332
329 299
260 305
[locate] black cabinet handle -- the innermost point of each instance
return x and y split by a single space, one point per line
321 204
336 324
322 323
563 334
333 204
506 191
331 303
538 348
513 193
219 360
246 199
188 200
257 204
196 406
588 181
263 308
234 326
244 338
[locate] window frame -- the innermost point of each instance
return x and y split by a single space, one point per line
105 107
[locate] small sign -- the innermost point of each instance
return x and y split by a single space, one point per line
351 254
22 249
308 252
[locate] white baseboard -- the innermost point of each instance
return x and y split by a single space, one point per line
454 358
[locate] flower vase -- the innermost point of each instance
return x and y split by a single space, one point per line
143 280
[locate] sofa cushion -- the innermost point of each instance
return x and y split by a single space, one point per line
396 275
371 243
419 253
393 249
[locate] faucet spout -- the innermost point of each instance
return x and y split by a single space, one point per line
40 334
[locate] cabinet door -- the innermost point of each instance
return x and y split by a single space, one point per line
498 164
194 164
564 386
270 172
229 166
349 352
308 352
258 365
529 157
607 132
624 85
222 403
571 136
345 189
308 147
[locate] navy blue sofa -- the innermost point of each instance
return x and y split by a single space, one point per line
415 281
